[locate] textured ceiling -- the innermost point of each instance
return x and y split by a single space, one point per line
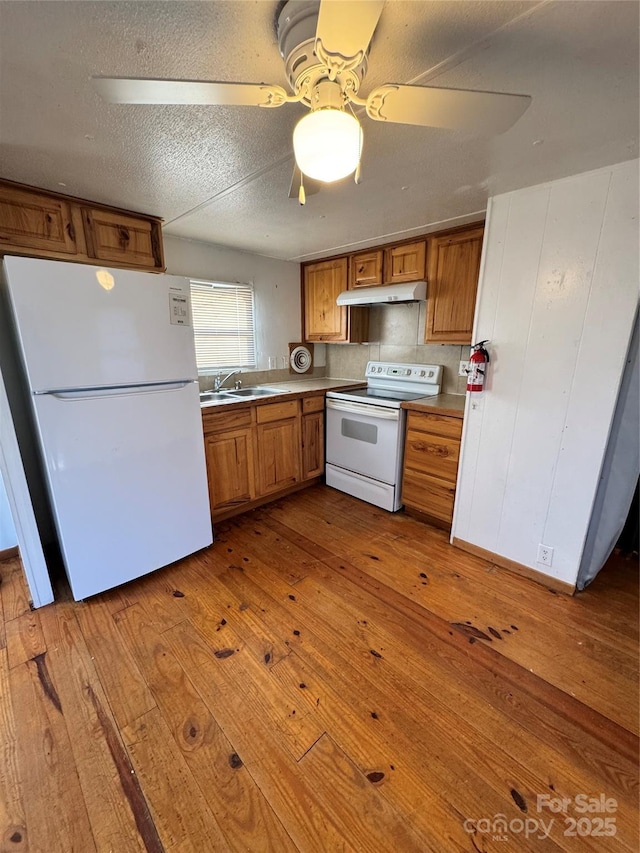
221 174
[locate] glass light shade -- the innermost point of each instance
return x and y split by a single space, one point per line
327 144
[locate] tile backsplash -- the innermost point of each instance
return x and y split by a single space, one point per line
397 334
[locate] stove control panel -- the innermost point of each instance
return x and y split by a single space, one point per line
420 379
410 372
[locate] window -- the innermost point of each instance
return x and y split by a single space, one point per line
223 325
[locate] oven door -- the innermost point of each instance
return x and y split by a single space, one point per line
364 438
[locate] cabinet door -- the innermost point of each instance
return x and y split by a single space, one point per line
278 455
117 238
323 319
312 445
230 468
404 263
366 269
33 221
454 266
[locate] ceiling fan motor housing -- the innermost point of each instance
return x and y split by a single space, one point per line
296 28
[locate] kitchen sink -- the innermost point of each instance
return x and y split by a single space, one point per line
230 395
258 391
215 397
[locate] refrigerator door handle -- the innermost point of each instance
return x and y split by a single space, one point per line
115 391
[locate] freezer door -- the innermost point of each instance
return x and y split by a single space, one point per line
127 481
81 326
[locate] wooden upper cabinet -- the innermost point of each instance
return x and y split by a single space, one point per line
44 224
453 270
121 239
32 220
323 319
366 269
404 263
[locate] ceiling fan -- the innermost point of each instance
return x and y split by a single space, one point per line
325 46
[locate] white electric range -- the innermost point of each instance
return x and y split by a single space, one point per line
365 430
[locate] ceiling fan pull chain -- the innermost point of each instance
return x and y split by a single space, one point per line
302 198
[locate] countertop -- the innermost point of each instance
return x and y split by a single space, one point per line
297 387
444 404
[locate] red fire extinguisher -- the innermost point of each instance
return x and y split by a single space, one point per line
477 366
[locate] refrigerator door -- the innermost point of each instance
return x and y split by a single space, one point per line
127 480
83 327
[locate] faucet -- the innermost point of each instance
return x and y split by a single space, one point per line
218 382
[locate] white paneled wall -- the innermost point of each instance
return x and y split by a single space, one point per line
557 298
8 538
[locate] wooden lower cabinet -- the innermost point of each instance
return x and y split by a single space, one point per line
278 455
229 458
262 451
312 445
431 455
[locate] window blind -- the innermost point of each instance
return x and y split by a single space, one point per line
223 324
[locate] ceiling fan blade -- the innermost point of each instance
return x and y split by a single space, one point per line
457 109
311 187
123 90
344 31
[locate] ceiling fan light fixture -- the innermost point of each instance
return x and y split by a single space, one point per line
327 144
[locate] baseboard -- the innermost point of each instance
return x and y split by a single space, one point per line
517 568
9 553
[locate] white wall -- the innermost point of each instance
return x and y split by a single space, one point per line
8 538
557 297
276 283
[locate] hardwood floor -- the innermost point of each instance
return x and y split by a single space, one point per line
326 677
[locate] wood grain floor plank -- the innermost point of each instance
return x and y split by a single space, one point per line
24 638
55 811
297 727
613 698
343 711
13 831
426 726
14 591
117 810
243 814
366 818
599 735
128 694
180 812
279 777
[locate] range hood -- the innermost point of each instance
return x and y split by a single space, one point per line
384 294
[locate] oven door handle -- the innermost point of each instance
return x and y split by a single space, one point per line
364 409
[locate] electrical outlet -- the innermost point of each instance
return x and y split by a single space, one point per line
463 370
545 554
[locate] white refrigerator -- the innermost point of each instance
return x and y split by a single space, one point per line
109 365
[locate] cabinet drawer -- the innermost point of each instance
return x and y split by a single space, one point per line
432 454
434 423
217 421
277 411
313 404
428 494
